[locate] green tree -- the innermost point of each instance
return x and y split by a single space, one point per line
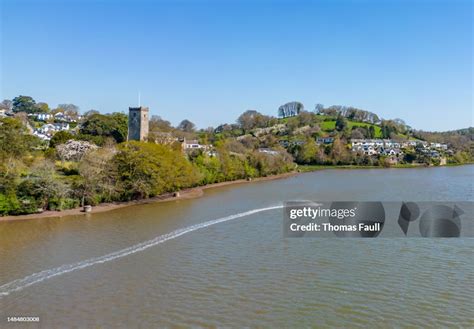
307 152
42 108
10 170
9 204
270 164
409 156
187 126
371 132
341 123
113 125
389 128
14 142
60 137
43 186
14 146
209 167
148 169
232 165
24 104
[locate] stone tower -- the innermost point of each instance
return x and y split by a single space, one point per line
137 123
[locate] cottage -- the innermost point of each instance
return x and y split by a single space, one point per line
46 128
367 142
41 135
61 126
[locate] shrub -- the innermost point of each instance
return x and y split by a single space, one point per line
8 204
59 204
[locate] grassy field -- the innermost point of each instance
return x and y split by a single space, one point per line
331 126
328 125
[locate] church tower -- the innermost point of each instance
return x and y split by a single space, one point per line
137 123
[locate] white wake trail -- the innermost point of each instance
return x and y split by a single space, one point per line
32 279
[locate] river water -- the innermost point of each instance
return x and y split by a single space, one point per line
123 268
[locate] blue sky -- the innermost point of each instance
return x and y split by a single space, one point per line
208 61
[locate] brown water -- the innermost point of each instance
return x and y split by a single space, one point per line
241 272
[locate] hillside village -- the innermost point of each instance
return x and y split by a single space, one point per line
289 130
55 159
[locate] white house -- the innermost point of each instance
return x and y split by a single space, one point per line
268 151
439 146
193 144
46 131
59 115
368 142
43 116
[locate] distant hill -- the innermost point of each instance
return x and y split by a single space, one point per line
462 139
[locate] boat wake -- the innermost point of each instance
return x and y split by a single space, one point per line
20 284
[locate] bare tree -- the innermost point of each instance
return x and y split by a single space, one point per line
6 104
69 109
290 109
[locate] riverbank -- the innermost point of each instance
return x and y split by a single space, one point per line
198 191
190 193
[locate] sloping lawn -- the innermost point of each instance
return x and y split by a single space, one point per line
378 131
331 126
328 125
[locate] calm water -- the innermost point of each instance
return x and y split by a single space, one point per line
241 272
